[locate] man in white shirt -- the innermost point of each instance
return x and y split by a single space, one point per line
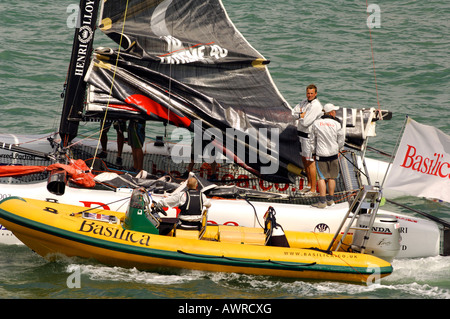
306 113
326 140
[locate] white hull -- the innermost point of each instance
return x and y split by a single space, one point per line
420 237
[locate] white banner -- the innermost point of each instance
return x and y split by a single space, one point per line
422 164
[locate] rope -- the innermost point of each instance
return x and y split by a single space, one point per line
373 62
101 206
87 137
37 139
112 85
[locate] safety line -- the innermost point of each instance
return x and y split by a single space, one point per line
373 62
112 85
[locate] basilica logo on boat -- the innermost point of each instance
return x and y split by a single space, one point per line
232 146
421 166
418 161
114 233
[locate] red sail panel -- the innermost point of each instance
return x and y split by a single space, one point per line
19 170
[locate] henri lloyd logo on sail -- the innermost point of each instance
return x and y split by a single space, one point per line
85 35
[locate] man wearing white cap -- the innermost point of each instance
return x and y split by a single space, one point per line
326 140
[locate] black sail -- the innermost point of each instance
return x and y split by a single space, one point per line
184 62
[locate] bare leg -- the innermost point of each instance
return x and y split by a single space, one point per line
331 186
322 187
104 141
120 142
138 159
310 167
313 176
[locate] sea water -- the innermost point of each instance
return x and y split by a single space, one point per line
394 57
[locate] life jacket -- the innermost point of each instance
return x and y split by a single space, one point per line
191 210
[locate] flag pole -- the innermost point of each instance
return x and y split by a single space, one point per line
395 150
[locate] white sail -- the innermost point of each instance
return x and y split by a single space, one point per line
422 163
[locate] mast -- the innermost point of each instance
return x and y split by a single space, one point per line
79 63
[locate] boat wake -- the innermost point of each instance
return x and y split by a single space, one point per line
424 278
430 270
132 275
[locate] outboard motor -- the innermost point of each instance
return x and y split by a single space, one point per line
384 239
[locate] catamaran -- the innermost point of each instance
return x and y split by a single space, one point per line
185 64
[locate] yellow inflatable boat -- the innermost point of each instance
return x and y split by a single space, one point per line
144 240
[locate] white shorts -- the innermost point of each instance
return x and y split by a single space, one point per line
306 149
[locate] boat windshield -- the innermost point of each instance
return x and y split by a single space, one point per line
139 199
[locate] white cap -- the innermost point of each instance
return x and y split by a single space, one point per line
330 107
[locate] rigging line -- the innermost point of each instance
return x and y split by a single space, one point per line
353 164
352 267
85 138
100 206
170 79
373 62
35 140
168 110
166 124
112 84
433 218
170 101
371 148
